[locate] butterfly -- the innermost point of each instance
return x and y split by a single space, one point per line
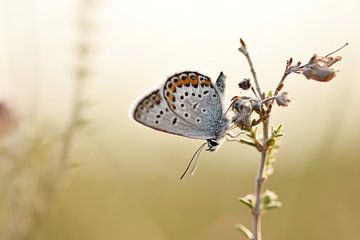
187 104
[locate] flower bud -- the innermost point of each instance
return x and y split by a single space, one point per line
245 84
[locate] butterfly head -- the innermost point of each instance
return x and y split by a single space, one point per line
213 145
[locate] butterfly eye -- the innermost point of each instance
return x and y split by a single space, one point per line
212 143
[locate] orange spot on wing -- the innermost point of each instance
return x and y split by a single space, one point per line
186 81
207 82
173 89
178 83
171 98
195 81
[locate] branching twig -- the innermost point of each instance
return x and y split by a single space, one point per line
243 50
260 173
318 69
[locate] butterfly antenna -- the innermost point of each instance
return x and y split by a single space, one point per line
195 156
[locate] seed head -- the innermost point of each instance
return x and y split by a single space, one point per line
283 99
242 107
245 84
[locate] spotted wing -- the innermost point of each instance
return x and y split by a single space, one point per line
153 111
194 98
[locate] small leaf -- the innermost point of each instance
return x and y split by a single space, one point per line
270 200
248 200
269 196
80 123
272 205
245 231
279 128
270 142
247 142
278 131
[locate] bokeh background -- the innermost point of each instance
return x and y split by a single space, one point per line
74 166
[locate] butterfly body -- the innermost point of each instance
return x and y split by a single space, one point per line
187 104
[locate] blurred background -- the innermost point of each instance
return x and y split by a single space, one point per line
74 166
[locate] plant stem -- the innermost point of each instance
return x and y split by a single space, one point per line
243 50
259 184
252 69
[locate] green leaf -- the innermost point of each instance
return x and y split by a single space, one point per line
278 131
270 142
247 142
273 205
245 231
80 123
279 128
270 200
248 200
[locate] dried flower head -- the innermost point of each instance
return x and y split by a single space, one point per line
318 73
245 84
283 99
318 67
242 107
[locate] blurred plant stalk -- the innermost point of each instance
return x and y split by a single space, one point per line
40 163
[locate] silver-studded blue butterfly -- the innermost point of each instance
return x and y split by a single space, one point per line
187 104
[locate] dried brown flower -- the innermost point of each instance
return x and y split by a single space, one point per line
245 84
242 107
318 68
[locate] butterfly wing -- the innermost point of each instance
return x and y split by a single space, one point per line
193 97
153 111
